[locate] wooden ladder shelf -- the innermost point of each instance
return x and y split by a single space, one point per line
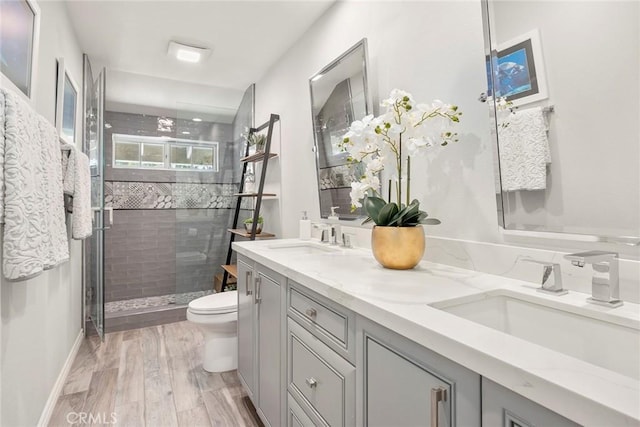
231 270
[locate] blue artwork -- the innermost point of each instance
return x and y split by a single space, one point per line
513 73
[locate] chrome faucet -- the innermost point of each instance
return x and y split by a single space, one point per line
605 284
333 233
550 284
325 231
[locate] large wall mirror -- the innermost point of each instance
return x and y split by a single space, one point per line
339 95
564 93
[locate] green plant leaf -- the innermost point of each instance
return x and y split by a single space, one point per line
406 212
373 205
387 213
430 221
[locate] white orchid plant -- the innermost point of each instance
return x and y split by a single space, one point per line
406 129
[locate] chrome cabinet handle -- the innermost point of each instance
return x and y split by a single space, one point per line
247 278
311 312
312 382
438 394
258 287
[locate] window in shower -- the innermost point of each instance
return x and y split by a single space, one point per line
127 154
152 155
180 157
145 152
192 158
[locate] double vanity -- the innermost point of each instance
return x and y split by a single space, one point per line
437 345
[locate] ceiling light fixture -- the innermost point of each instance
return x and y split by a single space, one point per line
186 53
186 132
197 119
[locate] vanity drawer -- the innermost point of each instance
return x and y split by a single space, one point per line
332 324
321 381
296 417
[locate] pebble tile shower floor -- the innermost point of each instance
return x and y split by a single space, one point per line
141 305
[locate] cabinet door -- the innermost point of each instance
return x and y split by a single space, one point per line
401 383
504 408
402 393
246 332
269 348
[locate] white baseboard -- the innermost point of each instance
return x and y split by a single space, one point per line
45 417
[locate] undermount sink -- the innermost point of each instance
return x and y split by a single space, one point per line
568 329
304 248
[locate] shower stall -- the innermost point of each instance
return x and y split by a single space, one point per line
170 181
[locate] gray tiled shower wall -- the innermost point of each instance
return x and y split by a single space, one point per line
176 244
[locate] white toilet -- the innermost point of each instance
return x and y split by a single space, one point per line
217 317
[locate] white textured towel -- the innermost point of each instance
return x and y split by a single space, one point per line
76 178
35 235
68 168
524 151
82 213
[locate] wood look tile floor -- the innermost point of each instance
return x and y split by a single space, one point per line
150 377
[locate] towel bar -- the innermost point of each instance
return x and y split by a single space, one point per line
546 110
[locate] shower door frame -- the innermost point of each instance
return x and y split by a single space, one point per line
93 273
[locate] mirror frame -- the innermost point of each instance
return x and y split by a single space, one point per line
30 95
64 78
538 231
367 104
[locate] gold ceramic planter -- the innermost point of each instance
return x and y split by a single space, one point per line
398 248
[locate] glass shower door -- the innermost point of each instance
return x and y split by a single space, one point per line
94 147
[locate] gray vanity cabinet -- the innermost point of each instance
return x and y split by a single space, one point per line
306 360
401 383
504 408
320 349
269 343
260 339
246 327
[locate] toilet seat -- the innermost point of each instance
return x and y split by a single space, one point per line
219 303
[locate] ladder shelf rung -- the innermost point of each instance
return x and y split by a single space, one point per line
254 194
257 157
245 233
232 269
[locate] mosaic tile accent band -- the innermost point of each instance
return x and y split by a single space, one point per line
156 195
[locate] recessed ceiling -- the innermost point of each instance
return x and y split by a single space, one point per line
246 39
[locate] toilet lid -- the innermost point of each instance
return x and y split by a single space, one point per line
222 302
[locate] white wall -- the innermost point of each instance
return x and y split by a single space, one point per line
433 49
41 317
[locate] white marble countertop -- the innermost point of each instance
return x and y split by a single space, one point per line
585 393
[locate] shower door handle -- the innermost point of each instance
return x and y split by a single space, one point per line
101 210
110 210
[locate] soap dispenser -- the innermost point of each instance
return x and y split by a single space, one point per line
305 227
334 223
